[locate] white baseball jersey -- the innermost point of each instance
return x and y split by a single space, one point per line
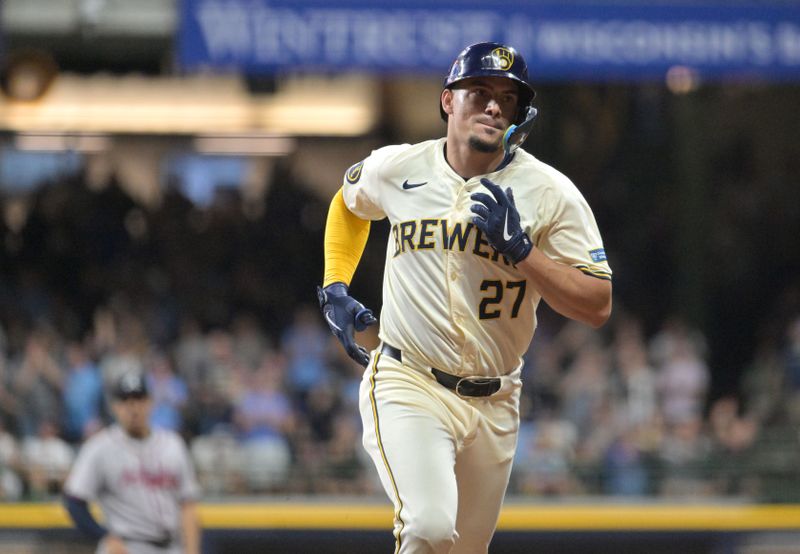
139 484
448 296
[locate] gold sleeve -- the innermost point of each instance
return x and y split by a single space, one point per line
345 238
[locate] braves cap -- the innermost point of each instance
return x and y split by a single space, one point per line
131 385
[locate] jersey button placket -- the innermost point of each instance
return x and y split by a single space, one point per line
455 262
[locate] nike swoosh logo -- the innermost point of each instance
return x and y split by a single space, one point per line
331 322
506 236
407 185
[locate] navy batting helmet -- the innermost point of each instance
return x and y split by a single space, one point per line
131 385
492 59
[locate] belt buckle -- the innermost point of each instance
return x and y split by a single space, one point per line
474 381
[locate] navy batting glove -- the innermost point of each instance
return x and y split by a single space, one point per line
497 217
345 315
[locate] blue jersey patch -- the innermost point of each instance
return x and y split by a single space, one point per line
598 255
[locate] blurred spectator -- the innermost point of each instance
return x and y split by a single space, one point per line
763 390
344 468
733 436
682 381
546 457
83 394
225 371
191 352
249 342
625 467
675 334
47 460
11 486
684 457
585 387
304 343
308 472
635 389
542 376
219 462
322 405
216 385
37 384
263 415
591 449
168 392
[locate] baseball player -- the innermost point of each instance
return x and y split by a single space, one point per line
481 231
141 477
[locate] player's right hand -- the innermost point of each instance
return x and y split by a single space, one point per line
345 315
498 219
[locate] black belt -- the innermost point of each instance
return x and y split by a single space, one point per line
158 543
463 386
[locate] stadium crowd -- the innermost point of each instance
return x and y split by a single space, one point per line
602 414
213 306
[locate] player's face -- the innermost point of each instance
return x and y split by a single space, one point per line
482 109
133 414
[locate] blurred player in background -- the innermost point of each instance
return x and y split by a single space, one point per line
141 477
481 231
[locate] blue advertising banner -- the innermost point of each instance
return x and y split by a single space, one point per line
585 42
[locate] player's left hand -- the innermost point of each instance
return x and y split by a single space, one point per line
497 217
344 315
113 545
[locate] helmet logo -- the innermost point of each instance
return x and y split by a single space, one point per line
500 58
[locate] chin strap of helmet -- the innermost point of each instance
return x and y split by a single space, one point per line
516 134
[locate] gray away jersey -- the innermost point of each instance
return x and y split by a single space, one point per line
139 484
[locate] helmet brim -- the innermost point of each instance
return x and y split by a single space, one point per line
526 92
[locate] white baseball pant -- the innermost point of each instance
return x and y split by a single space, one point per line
443 460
